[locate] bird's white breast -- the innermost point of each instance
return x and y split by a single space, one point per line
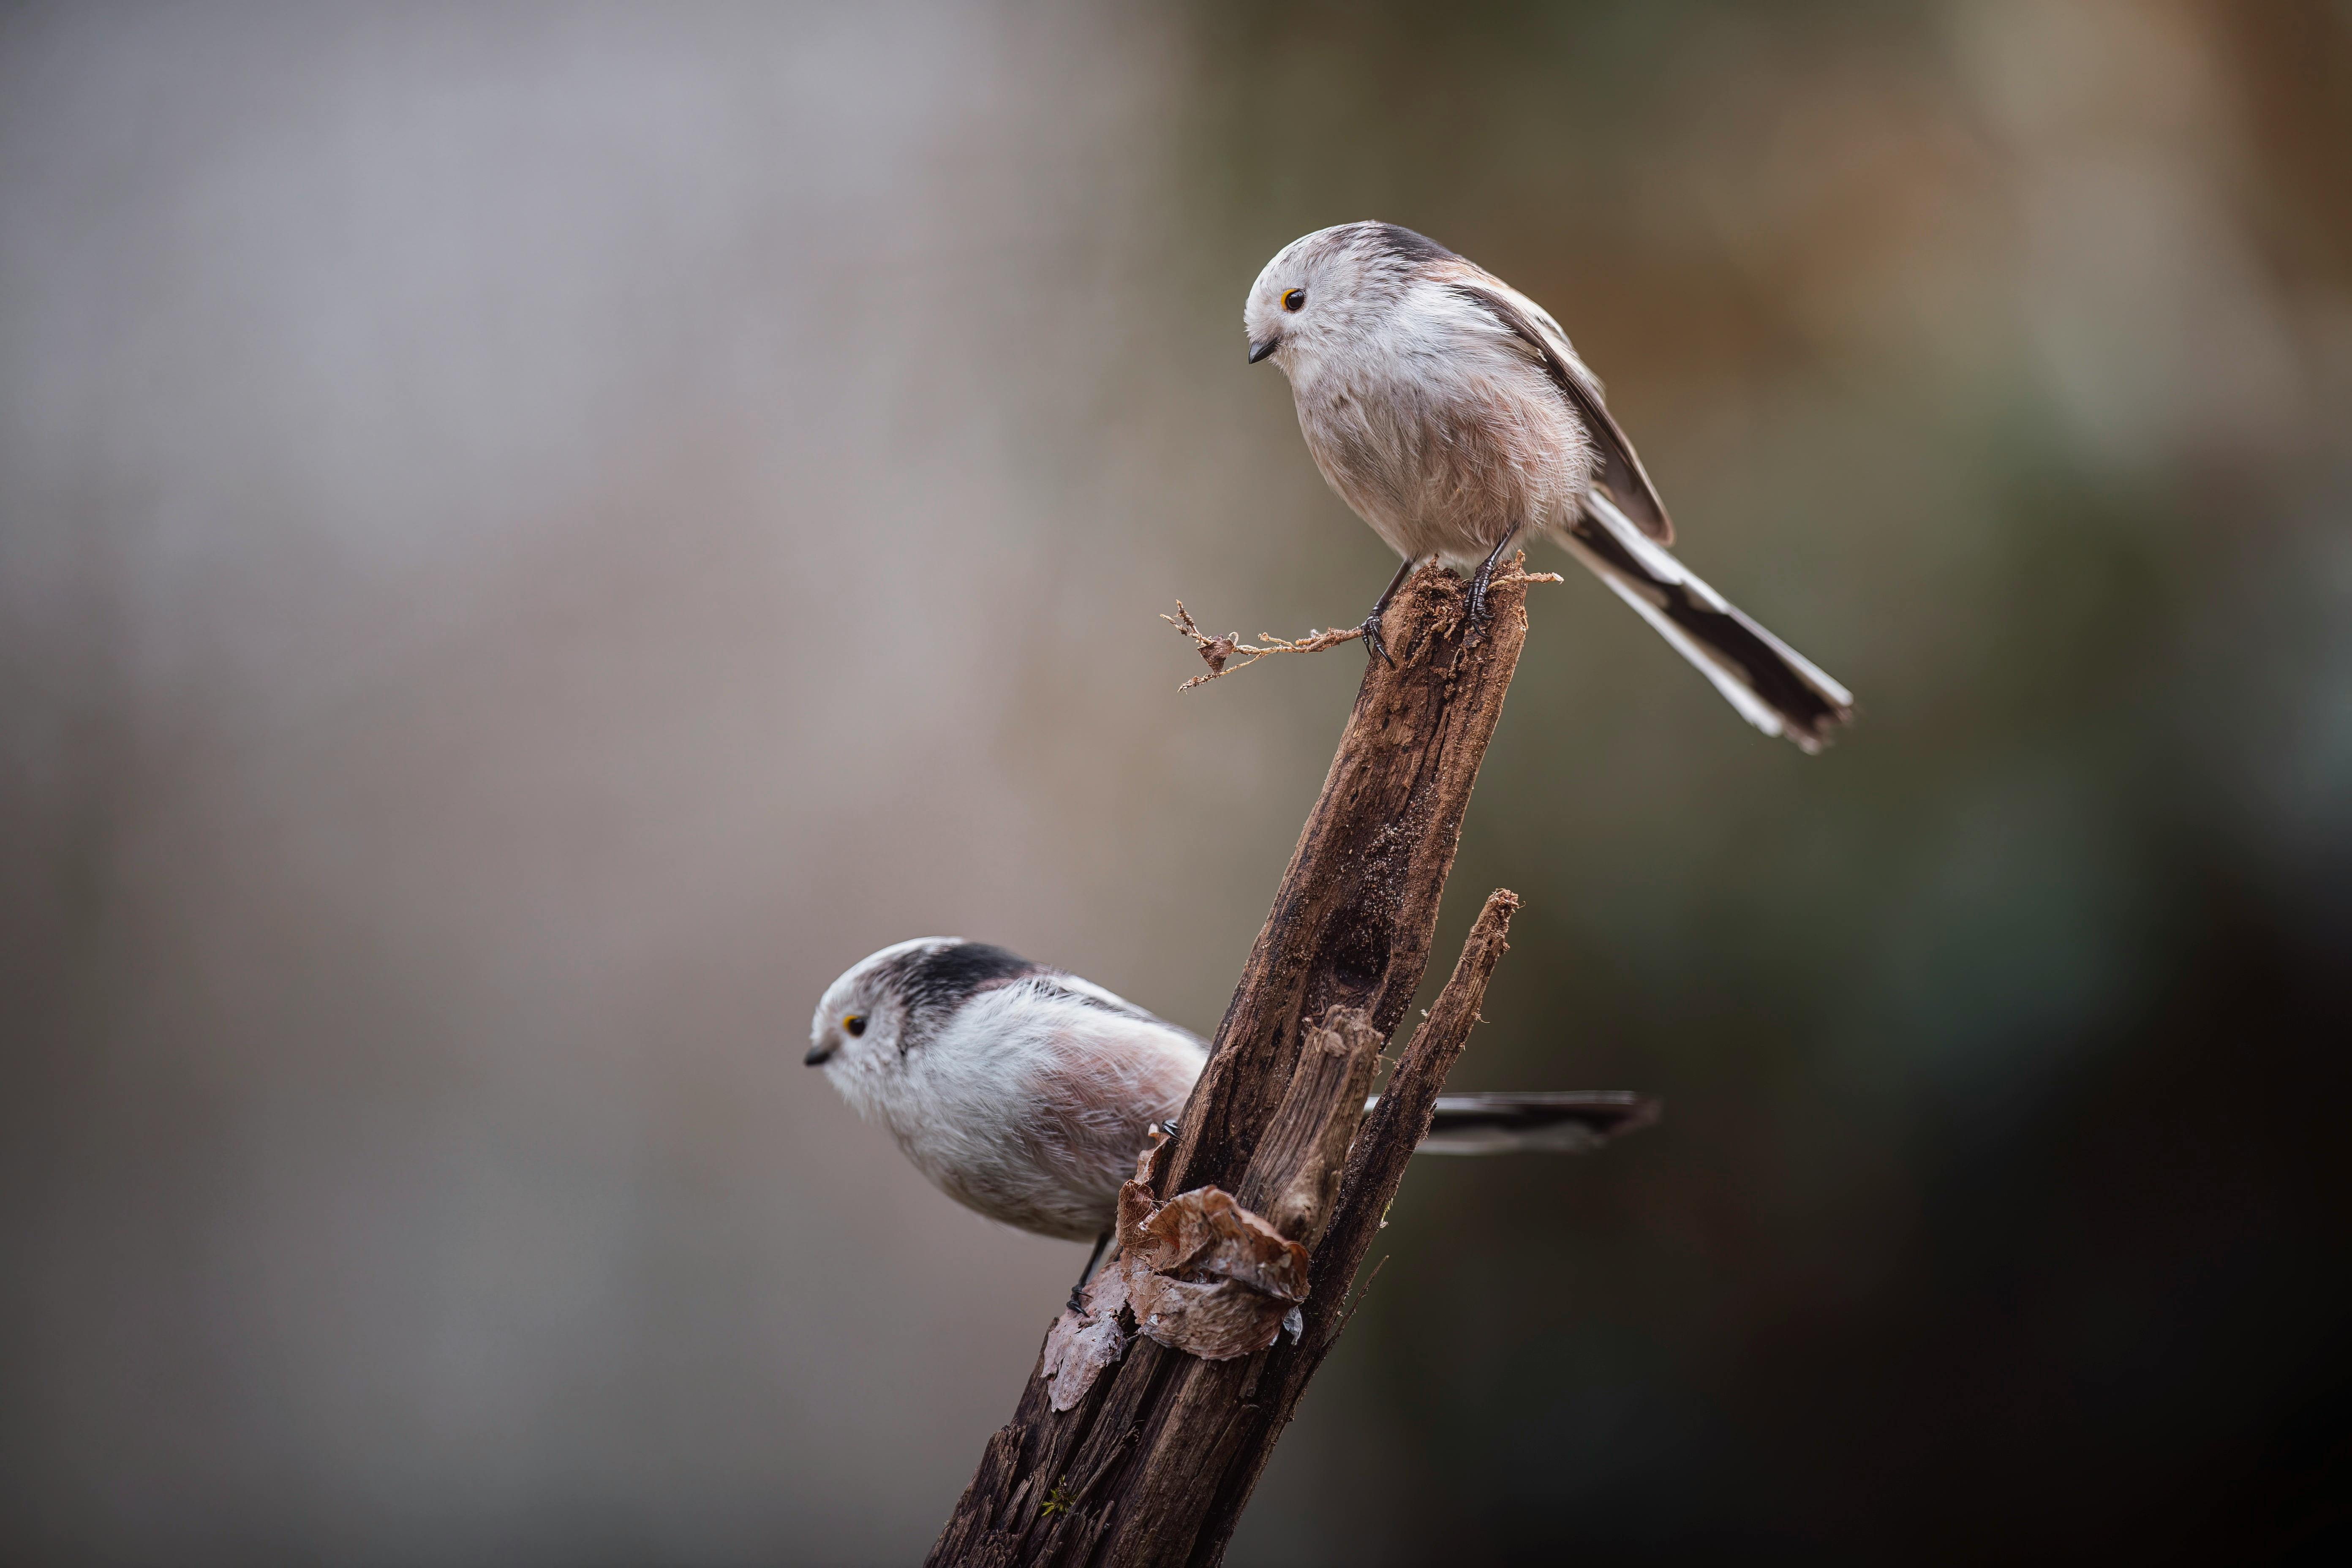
1438 428
1032 1104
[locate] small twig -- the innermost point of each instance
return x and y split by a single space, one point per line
1361 1291
1217 652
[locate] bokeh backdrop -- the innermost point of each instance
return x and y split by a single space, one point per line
531 539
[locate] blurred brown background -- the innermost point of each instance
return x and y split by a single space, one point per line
531 539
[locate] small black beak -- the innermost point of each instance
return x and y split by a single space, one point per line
1259 350
817 1056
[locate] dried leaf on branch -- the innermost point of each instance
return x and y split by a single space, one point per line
1200 1274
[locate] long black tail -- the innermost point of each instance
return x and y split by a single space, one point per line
1573 1122
1774 686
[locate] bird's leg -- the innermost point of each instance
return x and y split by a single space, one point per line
1479 585
1077 1292
1371 627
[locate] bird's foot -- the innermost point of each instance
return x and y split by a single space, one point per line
1370 627
1475 622
1479 613
1078 1290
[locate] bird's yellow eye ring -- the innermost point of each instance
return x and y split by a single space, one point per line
1295 299
854 1024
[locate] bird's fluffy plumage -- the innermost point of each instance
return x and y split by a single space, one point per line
1019 1090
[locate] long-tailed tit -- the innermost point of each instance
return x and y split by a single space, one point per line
1450 412
1026 1093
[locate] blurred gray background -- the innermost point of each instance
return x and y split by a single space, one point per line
531 539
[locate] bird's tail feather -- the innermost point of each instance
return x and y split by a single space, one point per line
1774 686
1575 1122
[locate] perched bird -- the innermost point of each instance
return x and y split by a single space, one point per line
1026 1093
1449 411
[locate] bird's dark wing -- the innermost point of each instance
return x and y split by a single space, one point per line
1621 472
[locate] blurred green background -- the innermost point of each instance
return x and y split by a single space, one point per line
531 539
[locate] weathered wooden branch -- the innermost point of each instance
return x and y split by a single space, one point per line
1154 1463
1375 1171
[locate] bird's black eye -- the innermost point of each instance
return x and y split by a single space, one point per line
854 1024
1295 299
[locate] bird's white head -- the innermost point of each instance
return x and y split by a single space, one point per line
1326 288
875 1020
857 1032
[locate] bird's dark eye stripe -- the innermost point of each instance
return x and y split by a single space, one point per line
1294 299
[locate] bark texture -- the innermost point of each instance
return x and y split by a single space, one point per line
1153 1466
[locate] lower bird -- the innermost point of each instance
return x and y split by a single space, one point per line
1450 412
1025 1093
